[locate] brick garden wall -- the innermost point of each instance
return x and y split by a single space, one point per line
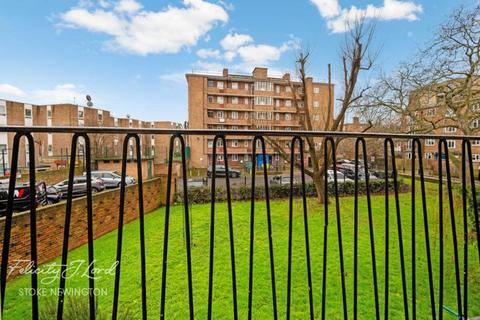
51 219
50 176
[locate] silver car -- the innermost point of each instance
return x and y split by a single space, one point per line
111 179
79 186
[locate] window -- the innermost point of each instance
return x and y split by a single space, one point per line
263 101
235 100
50 148
263 115
430 142
49 113
288 89
476 143
234 143
245 101
450 129
220 84
288 103
476 157
277 116
234 128
288 116
234 115
3 110
219 143
245 143
245 115
263 86
210 99
277 102
234 85
277 89
210 143
428 155
431 112
211 83
28 113
316 90
245 157
451 144
234 157
476 123
220 157
210 114
80 114
316 104
316 117
100 117
220 100
220 115
288 129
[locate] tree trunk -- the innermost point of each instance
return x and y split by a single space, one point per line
319 187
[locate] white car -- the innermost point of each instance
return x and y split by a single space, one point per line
340 177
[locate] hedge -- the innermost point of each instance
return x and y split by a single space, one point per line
197 195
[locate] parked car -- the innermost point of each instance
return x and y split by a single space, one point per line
341 178
111 179
196 183
53 195
21 197
80 186
349 171
282 180
221 172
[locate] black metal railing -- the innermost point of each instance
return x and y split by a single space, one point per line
465 304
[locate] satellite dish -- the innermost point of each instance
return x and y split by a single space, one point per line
89 101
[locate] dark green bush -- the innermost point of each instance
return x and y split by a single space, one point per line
276 191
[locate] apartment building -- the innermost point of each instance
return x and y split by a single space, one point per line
54 149
446 108
249 102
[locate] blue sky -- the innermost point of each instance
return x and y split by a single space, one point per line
131 55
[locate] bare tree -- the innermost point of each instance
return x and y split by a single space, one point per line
440 88
356 57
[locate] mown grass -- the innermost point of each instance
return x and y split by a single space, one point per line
18 305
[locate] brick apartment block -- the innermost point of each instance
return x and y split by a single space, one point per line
52 149
248 102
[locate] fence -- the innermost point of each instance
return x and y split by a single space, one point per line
317 291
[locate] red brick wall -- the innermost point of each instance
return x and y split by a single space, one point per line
51 219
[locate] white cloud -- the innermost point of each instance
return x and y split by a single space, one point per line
231 42
327 8
143 32
208 53
66 93
8 89
341 19
128 6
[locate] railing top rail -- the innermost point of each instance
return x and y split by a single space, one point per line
213 132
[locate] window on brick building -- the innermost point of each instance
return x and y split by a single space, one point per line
80 114
234 100
234 157
316 104
277 116
263 86
450 129
288 89
220 100
451 144
234 85
430 142
49 114
234 143
288 116
210 99
288 103
28 113
277 89
220 84
220 115
3 110
234 115
211 83
316 90
210 114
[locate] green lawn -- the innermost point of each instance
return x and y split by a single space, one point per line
18 306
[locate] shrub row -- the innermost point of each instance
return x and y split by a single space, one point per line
198 195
